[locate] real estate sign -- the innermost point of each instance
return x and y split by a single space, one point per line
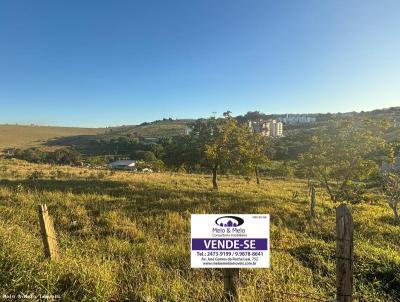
230 240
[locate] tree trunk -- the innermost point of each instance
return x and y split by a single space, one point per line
312 193
396 214
257 174
328 188
214 179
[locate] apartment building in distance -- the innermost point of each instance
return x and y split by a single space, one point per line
297 119
275 128
271 128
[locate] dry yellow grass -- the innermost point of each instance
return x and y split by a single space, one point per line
21 136
113 247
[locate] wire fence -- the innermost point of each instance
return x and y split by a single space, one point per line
302 295
305 296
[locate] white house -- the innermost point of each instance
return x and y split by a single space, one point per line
123 165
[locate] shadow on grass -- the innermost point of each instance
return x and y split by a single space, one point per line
153 199
72 140
387 272
387 219
149 199
321 259
318 257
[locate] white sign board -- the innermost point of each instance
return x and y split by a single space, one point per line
230 240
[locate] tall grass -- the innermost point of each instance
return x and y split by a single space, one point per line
126 236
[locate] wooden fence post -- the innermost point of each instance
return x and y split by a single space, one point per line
231 279
48 233
344 254
312 193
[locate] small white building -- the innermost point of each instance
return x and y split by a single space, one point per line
123 165
297 119
187 130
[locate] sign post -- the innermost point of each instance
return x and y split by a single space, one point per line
231 242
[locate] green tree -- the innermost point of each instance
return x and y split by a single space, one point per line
343 154
32 155
253 148
147 156
391 188
65 156
220 144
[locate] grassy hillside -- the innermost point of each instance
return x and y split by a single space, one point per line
393 134
21 136
113 246
154 129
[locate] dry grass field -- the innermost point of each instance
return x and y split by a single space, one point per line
21 136
126 237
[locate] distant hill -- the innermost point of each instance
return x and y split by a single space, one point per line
393 134
156 129
29 136
22 136
163 128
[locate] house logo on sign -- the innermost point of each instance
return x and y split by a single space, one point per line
230 240
229 221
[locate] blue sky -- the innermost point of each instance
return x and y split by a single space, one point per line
100 63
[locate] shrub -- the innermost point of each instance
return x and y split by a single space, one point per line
36 175
279 169
101 175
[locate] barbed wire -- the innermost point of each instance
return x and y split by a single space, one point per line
304 295
357 260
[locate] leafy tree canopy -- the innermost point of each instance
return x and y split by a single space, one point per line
344 153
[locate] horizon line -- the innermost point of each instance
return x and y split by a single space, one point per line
28 124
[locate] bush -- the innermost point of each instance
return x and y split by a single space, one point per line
279 169
147 156
101 175
33 155
36 175
66 156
